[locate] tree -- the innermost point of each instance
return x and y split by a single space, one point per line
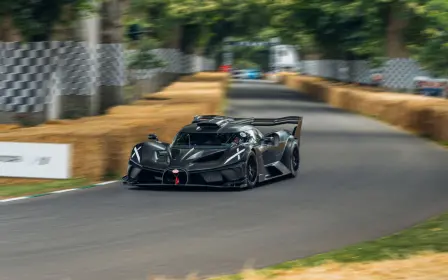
35 20
201 25
143 58
336 29
433 52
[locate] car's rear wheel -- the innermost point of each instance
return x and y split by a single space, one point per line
251 171
295 160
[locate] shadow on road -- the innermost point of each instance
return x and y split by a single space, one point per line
254 93
293 107
205 189
184 189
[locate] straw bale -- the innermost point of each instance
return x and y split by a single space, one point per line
440 123
193 85
420 114
86 148
183 93
339 98
102 144
88 119
59 122
206 77
423 115
91 150
211 102
8 127
136 109
130 116
184 110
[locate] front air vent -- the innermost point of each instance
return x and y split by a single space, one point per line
175 153
212 157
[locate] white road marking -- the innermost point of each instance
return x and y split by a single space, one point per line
63 191
105 183
14 199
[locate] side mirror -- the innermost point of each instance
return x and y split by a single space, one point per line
153 137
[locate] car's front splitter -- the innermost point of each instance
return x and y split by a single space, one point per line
237 184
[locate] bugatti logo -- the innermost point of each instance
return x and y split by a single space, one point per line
176 179
175 176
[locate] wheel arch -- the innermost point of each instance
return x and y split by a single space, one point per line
290 144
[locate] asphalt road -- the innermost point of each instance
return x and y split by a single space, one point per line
360 179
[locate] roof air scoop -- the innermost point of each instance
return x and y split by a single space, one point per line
211 121
209 118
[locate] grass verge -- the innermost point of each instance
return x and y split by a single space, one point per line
429 236
9 191
16 190
223 106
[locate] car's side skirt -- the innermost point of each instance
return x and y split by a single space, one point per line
274 170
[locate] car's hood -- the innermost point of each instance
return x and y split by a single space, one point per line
163 156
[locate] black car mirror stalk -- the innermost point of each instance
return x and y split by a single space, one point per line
153 137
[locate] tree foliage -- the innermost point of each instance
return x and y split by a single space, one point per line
204 23
374 29
143 58
35 19
432 51
336 29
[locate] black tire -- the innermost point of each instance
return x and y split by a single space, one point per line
251 171
294 160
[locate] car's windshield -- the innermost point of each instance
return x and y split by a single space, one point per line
208 139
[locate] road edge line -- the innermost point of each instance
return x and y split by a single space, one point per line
56 192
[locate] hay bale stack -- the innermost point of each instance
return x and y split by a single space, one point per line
59 122
8 127
87 153
119 110
206 77
210 97
192 86
423 115
102 144
439 128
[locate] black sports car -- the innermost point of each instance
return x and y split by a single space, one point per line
218 151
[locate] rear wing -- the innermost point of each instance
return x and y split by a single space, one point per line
217 120
297 132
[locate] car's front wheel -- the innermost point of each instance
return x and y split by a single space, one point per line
251 171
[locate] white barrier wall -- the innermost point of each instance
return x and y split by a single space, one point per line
35 160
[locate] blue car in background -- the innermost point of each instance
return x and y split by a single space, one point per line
253 74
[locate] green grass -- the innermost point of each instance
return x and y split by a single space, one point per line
431 235
33 189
